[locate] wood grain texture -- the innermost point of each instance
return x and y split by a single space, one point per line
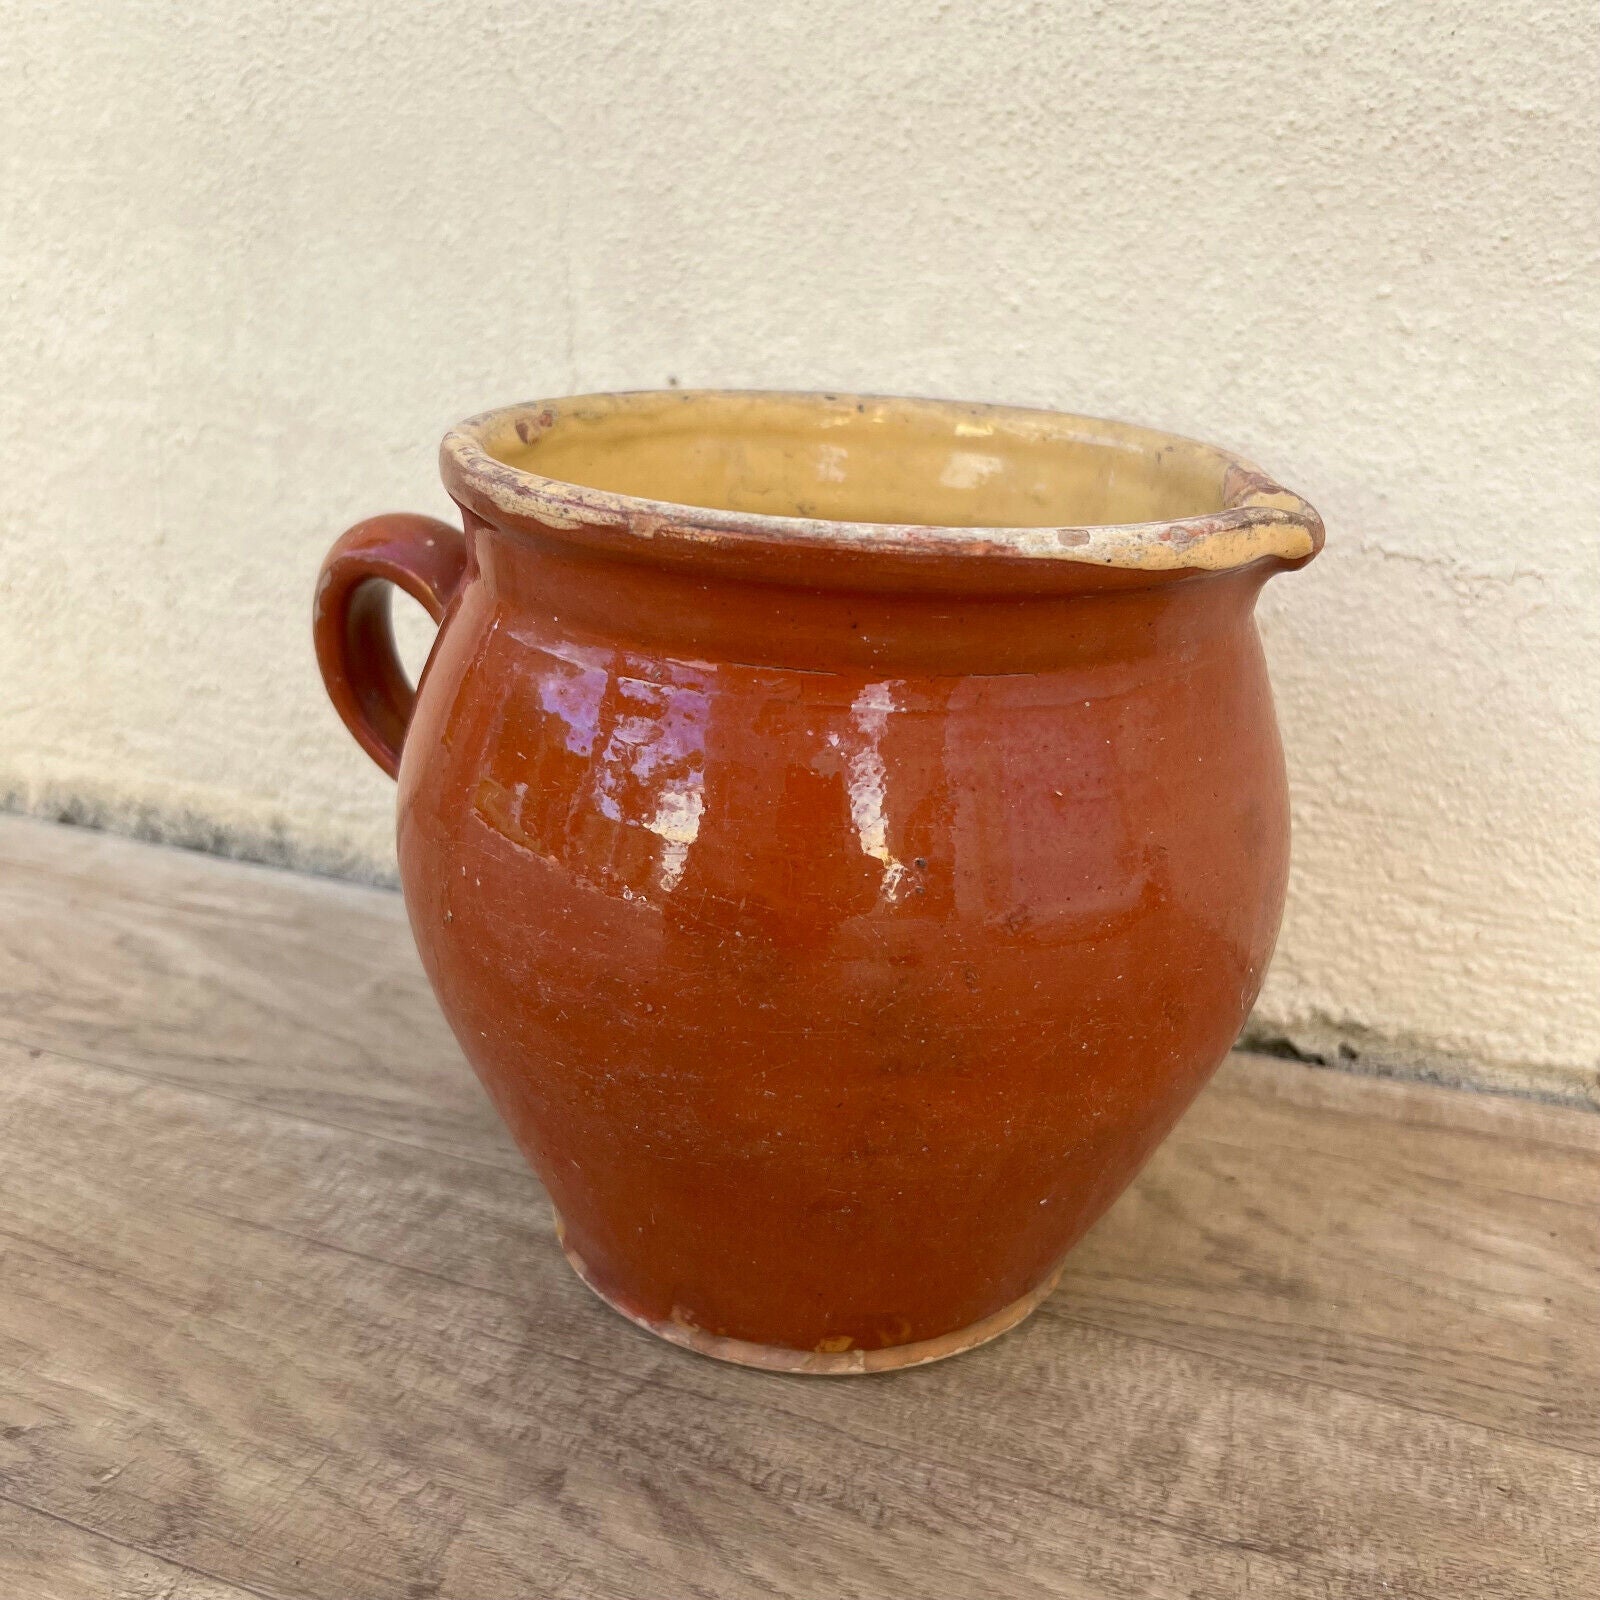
281 1313
42 1554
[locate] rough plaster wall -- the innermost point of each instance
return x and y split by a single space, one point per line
255 259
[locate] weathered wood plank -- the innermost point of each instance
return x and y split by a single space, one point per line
44 1558
246 1349
281 1313
1383 1279
246 982
1484 1142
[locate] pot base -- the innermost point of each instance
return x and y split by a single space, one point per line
821 1363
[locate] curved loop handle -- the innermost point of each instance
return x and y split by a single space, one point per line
352 629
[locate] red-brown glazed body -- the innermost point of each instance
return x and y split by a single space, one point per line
837 940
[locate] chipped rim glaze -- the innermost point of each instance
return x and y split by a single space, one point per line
1260 519
821 1363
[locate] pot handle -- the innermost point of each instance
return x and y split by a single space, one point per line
352 628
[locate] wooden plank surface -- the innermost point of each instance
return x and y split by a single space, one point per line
281 1314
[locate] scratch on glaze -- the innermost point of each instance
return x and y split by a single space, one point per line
867 782
677 822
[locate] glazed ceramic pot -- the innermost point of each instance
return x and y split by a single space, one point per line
843 833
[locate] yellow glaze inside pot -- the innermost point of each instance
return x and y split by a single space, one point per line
868 461
866 472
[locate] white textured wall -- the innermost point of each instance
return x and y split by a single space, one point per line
254 259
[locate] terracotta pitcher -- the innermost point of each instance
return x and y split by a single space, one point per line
844 833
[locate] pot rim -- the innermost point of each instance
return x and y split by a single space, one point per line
1259 519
